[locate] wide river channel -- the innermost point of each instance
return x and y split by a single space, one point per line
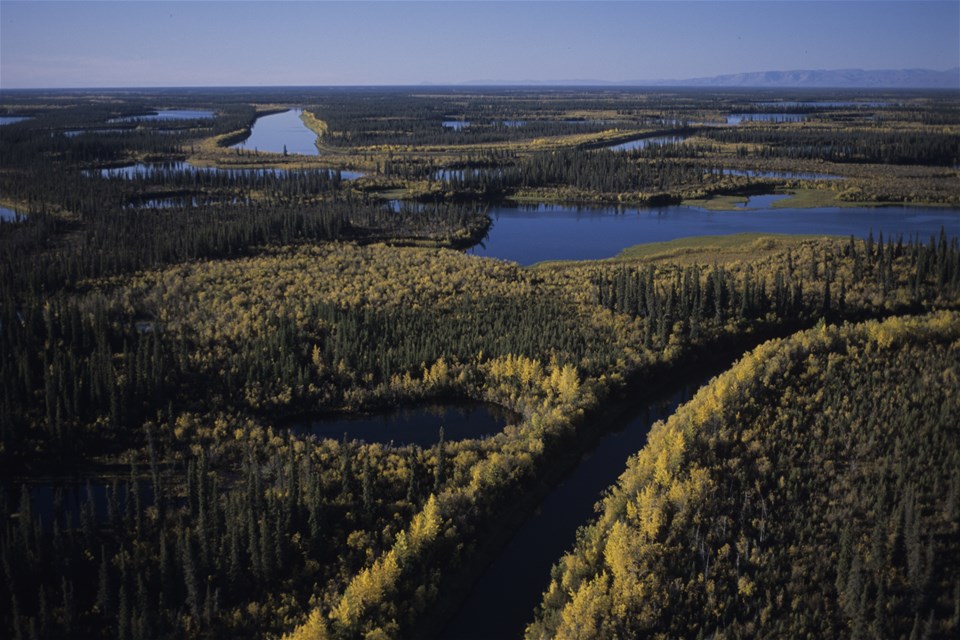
281 133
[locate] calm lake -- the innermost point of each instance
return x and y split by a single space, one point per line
281 132
414 425
168 114
555 232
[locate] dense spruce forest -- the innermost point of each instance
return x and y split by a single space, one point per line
171 304
730 523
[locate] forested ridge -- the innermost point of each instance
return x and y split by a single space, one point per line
161 326
810 491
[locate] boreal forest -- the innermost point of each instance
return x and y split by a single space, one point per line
252 388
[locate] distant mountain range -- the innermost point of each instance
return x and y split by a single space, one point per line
835 78
846 78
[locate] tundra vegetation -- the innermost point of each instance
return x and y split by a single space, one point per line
153 354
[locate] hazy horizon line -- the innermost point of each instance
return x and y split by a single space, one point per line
695 82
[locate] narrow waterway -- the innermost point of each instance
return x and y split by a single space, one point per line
503 599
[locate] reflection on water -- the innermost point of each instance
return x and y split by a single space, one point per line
643 143
168 114
281 133
556 232
417 425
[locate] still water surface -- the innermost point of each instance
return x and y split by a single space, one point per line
556 232
168 114
414 425
281 132
643 143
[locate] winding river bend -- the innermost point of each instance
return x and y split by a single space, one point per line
503 599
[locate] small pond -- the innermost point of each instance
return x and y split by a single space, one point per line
414 425
456 125
737 118
555 232
281 133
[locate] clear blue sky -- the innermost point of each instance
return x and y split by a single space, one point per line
226 43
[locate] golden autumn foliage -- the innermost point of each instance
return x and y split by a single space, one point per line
702 536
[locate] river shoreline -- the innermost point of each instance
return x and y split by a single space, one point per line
654 384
